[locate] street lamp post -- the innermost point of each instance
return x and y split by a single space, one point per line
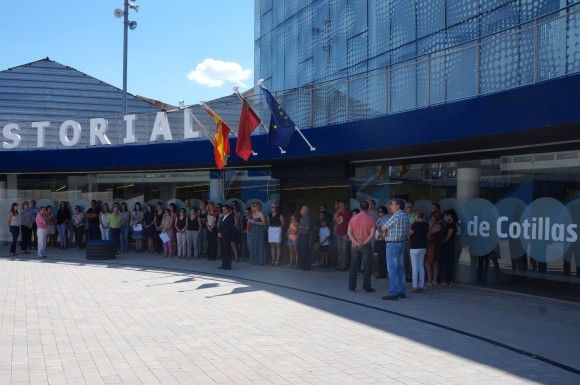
125 41
129 4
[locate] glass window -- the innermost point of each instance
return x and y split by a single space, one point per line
379 26
430 17
278 59
403 22
377 91
357 49
246 185
403 87
358 10
358 98
532 9
518 214
304 32
265 6
500 19
573 42
486 5
290 48
551 48
461 74
461 10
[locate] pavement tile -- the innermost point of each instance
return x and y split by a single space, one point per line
66 321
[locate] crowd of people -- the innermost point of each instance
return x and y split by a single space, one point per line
395 240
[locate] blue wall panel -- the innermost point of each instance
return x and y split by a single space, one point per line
542 105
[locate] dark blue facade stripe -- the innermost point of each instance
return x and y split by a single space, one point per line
551 103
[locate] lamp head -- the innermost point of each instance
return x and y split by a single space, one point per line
118 13
132 25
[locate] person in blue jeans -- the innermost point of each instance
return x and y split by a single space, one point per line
14 223
304 239
396 230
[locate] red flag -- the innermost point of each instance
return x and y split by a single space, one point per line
248 123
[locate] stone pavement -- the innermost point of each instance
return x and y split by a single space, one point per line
142 319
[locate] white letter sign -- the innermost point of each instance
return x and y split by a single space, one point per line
98 128
8 133
188 132
63 133
40 139
129 129
161 128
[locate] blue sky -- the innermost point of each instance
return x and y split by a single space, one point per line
172 38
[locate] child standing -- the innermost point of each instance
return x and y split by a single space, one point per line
293 240
324 242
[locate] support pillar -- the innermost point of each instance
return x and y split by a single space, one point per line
216 187
468 180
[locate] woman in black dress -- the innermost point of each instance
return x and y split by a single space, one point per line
149 228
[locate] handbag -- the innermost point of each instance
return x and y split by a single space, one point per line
164 237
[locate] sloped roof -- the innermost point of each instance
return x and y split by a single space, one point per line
45 89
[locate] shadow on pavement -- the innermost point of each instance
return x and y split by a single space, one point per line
419 329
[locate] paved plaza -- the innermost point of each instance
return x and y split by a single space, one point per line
142 319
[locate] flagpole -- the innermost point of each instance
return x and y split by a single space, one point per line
235 131
203 127
254 153
312 148
282 151
214 115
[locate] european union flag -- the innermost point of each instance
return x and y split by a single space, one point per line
281 126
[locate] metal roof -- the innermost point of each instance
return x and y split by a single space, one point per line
45 89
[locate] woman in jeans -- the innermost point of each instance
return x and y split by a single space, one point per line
192 234
25 228
417 248
115 224
51 226
62 222
180 227
14 225
125 226
78 224
447 265
104 222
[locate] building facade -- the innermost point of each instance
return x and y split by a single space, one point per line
446 101
468 104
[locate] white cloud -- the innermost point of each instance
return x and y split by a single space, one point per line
214 73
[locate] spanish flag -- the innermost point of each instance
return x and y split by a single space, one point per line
221 147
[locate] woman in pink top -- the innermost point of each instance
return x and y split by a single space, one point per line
42 231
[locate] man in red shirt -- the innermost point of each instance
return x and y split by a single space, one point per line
341 219
361 233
